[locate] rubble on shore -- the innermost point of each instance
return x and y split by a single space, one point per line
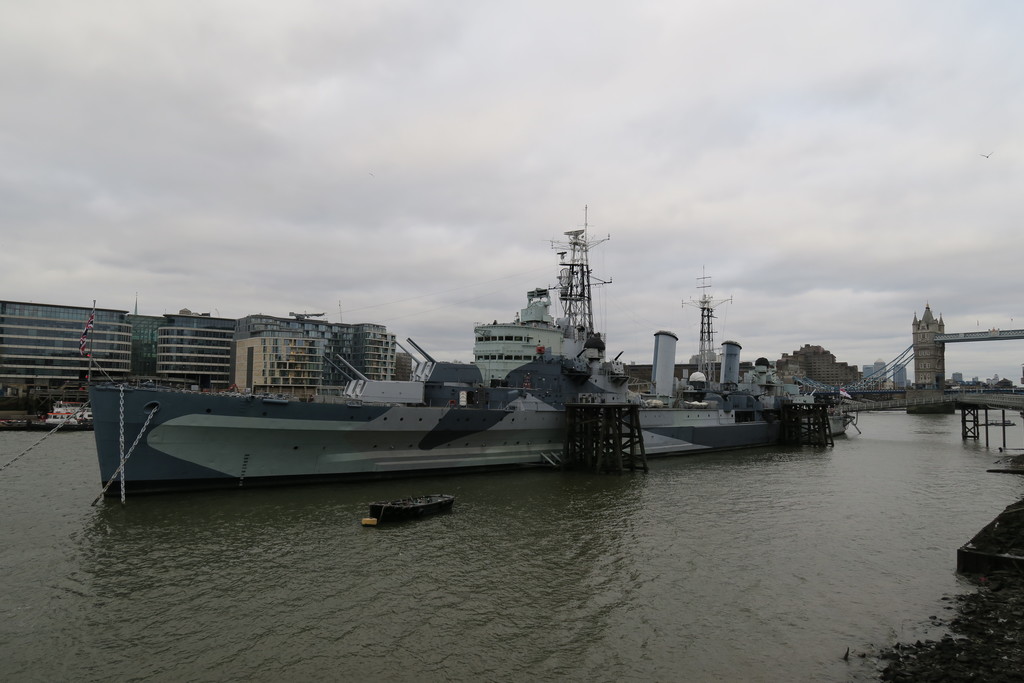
986 639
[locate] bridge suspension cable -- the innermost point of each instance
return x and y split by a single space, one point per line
872 381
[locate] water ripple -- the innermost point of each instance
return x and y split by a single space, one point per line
762 565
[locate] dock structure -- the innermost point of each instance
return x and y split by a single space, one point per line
971 423
603 437
806 424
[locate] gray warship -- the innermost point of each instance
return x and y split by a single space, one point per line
505 410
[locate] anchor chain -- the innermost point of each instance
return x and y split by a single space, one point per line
45 437
120 437
124 456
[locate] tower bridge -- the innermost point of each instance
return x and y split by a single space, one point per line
929 348
988 335
927 352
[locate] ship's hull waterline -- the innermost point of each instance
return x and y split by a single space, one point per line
204 441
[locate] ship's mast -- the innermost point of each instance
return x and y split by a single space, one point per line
706 353
574 280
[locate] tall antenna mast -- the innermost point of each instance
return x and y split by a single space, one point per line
707 305
575 282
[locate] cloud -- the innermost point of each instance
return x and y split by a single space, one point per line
410 164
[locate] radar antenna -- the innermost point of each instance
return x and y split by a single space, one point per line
707 306
575 281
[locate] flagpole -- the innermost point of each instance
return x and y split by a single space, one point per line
92 320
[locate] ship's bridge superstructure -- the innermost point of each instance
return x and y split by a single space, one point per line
571 341
500 348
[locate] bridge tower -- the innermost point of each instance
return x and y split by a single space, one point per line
929 364
929 356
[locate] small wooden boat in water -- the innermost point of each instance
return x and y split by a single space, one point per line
409 508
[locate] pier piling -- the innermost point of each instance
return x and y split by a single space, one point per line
969 422
806 424
603 437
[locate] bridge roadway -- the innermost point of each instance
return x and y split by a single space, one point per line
981 400
987 335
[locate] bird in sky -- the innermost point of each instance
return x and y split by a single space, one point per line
987 155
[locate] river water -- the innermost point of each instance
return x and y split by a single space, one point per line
761 565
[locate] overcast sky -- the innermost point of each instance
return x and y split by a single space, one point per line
409 163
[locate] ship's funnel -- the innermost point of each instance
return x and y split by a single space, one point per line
664 367
730 376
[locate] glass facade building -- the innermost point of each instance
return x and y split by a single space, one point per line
195 349
145 330
41 347
40 350
185 349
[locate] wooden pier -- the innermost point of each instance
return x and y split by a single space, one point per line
971 423
806 424
603 437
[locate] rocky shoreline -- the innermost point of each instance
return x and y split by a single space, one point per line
986 635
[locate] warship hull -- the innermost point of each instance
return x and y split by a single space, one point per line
507 409
189 440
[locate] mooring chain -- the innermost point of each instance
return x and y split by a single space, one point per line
125 456
45 436
120 438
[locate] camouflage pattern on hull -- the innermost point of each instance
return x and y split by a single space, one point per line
215 440
506 409
203 438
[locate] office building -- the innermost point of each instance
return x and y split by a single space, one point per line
41 354
191 350
46 350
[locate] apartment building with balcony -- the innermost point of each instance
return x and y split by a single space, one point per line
299 354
